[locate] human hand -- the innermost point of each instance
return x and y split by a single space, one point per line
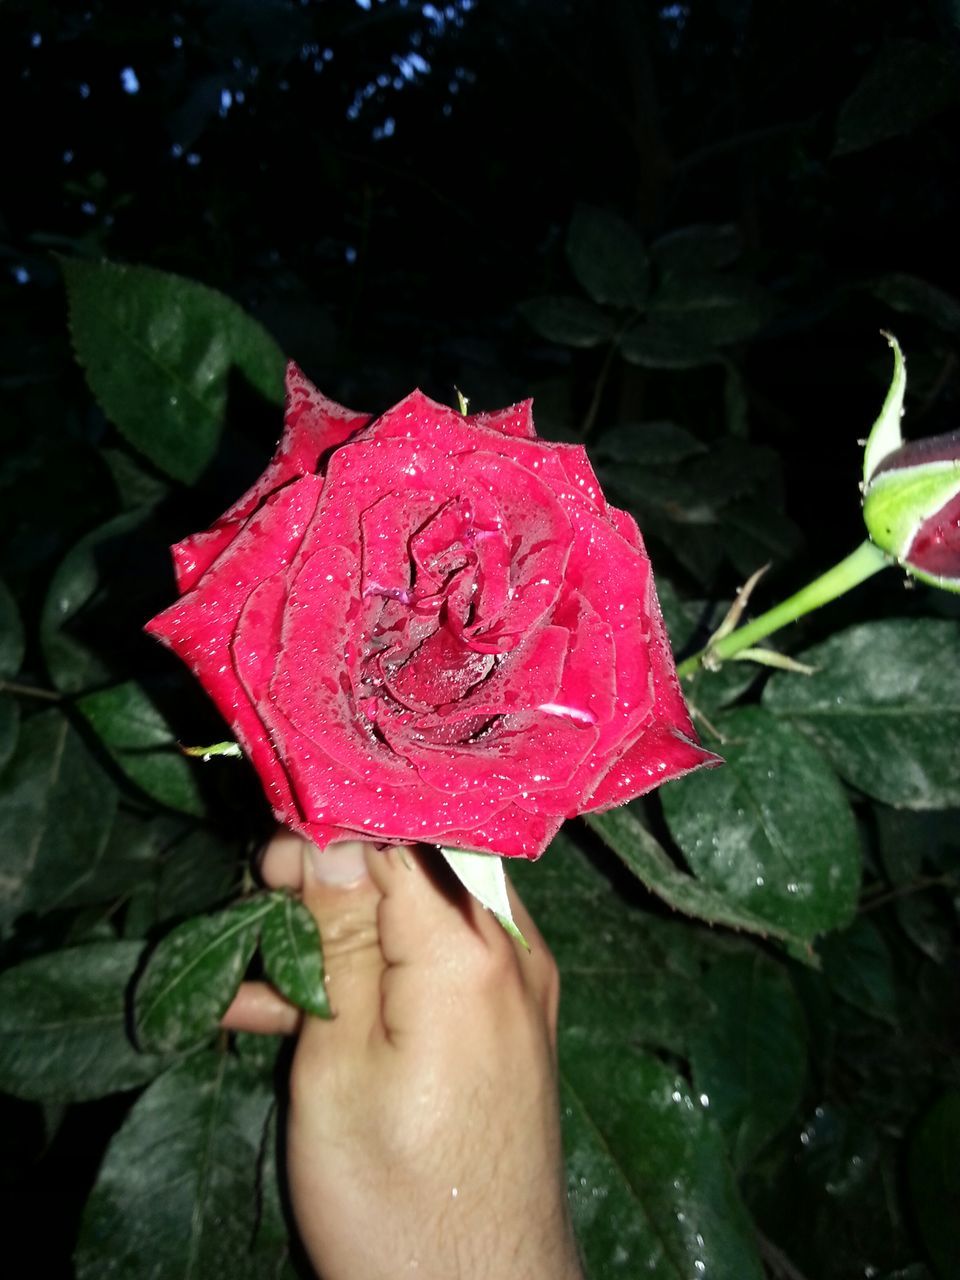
423 1135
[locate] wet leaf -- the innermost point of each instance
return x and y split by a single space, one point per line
697 249
573 322
57 807
858 966
884 707
197 871
63 1025
749 1056
663 345
176 1193
771 832
193 975
934 1170
73 667
712 310
142 744
630 978
650 1188
649 862
918 297
293 956
157 350
135 485
909 82
11 635
607 257
648 444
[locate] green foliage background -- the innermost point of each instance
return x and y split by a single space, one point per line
680 228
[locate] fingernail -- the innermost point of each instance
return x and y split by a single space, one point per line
339 864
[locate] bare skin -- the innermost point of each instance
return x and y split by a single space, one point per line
423 1136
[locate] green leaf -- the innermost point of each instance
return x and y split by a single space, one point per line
11 656
176 1193
63 1034
772 831
293 955
573 322
909 82
158 351
918 297
697 249
749 1057
9 727
711 310
630 978
57 807
934 1175
193 975
650 1188
607 257
11 635
658 345
858 966
482 875
270 1251
648 444
885 433
136 487
642 854
143 745
72 666
197 871
884 707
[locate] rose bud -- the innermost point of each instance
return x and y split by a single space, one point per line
911 495
432 627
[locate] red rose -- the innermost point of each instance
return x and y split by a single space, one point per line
432 627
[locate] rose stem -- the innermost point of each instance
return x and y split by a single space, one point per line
850 572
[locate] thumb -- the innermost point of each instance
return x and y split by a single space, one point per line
343 900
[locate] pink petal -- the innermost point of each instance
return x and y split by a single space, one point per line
313 683
659 755
523 679
936 545
312 425
521 755
511 833
517 420
199 626
576 465
540 538
667 746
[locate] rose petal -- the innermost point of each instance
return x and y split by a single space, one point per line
316 668
312 425
441 670
521 754
935 548
332 795
576 465
517 420
193 556
386 530
667 747
511 833
523 679
253 650
199 626
658 755
540 538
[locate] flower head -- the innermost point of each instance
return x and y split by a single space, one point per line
911 494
